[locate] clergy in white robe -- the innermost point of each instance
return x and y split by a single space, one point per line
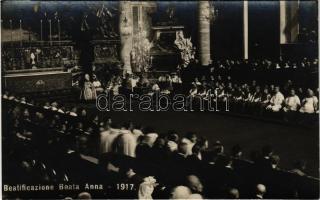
126 143
107 139
276 101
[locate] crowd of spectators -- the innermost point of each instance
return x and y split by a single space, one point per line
308 36
50 143
260 88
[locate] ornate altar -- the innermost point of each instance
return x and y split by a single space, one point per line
36 55
32 82
37 66
170 48
106 51
164 52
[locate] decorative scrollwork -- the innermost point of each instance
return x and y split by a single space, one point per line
187 51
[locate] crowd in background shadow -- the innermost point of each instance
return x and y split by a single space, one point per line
49 143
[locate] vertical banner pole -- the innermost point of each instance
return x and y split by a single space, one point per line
20 30
50 39
59 31
11 33
41 33
245 31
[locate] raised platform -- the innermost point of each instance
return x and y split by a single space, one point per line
20 71
30 82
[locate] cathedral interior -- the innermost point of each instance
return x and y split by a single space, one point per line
258 60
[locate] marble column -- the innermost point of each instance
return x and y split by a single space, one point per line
204 33
283 22
245 30
289 25
294 20
125 27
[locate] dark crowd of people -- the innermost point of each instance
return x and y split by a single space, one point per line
286 90
308 36
261 87
46 142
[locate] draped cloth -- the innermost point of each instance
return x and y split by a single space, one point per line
126 143
146 188
88 92
107 139
309 105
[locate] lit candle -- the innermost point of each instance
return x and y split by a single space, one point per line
11 30
41 30
59 30
20 32
50 32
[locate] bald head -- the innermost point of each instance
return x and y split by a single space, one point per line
261 189
194 183
180 192
84 195
195 196
233 193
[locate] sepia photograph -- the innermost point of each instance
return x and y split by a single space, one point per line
159 99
